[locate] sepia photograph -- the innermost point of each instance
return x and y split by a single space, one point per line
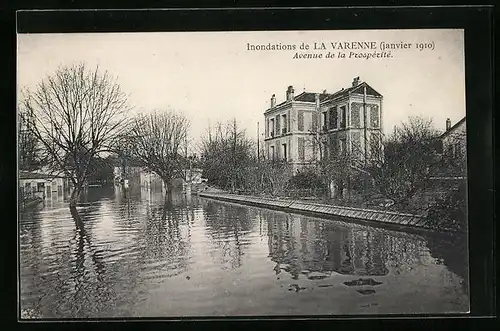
242 173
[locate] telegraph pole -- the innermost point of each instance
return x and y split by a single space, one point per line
365 125
258 142
366 138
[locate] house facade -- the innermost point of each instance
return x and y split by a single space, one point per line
309 126
34 185
454 139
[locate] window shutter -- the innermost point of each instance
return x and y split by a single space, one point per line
314 121
300 120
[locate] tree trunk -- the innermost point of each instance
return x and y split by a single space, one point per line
168 187
75 194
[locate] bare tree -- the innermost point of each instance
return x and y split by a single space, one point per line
158 141
276 175
227 154
410 157
76 114
28 147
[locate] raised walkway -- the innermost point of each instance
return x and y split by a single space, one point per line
367 216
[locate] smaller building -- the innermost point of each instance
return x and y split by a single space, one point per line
33 185
150 180
452 171
133 174
454 139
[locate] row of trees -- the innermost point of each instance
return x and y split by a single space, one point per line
229 160
411 156
76 120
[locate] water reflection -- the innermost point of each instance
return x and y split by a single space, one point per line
301 244
136 253
228 227
164 236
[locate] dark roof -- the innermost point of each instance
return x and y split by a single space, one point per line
452 128
355 89
35 175
311 97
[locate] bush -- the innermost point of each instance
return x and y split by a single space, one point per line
306 180
449 213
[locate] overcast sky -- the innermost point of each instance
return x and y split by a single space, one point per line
211 76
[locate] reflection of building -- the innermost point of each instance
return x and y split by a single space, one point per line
347 121
297 244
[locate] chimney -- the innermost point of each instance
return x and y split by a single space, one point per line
289 93
355 81
273 101
448 124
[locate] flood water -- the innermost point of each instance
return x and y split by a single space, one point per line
133 255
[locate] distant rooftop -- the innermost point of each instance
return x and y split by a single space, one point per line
451 129
35 175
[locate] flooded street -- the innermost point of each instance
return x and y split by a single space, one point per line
132 255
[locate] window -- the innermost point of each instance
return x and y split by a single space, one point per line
333 146
333 118
314 121
342 146
356 109
449 150
324 121
375 146
457 149
301 149
272 152
374 116
283 117
278 124
356 148
284 152
300 120
271 129
325 149
343 117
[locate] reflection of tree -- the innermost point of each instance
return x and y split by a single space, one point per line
63 275
227 224
84 237
30 233
164 240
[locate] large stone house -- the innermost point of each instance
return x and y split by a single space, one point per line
306 127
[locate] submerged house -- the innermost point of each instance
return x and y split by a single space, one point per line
37 185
